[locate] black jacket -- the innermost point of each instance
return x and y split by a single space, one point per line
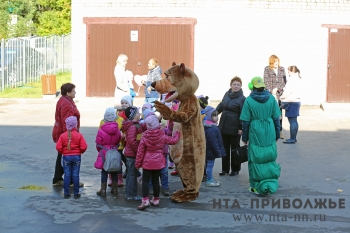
231 108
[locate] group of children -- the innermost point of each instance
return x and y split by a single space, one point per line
142 139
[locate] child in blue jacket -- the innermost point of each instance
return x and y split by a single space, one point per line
214 144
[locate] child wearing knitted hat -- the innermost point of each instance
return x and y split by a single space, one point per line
71 144
164 171
125 102
203 103
133 133
119 120
150 157
214 144
109 137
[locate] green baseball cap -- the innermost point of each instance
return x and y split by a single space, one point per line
258 82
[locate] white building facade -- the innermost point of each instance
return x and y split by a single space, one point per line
232 37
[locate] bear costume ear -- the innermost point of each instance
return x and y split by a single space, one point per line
182 68
174 64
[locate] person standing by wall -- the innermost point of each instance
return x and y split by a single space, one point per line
65 108
275 80
291 97
154 74
230 125
123 79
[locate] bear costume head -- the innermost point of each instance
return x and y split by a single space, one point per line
179 82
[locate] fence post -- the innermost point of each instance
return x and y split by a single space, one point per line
2 64
62 52
45 54
24 62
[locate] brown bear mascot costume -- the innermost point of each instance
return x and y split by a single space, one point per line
189 153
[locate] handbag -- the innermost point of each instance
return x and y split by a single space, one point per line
240 155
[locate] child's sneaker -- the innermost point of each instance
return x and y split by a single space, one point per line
66 196
174 173
171 165
133 198
155 201
144 204
166 192
253 190
76 196
212 183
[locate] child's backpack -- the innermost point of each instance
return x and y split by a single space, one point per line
112 159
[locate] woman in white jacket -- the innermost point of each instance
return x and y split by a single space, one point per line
123 79
291 99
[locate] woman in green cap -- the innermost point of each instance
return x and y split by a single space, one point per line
261 128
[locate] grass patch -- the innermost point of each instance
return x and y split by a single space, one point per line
34 89
32 187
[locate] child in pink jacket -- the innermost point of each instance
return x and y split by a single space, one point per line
108 136
150 157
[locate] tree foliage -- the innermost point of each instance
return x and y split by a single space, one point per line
34 17
53 17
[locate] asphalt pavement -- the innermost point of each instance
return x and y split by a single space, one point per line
313 194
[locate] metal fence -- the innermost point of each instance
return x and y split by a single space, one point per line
23 60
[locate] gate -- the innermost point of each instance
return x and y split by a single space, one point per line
167 39
338 75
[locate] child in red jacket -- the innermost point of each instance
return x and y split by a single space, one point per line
71 145
150 157
133 133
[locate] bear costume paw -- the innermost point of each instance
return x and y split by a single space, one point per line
182 196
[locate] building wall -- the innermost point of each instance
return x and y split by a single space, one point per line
232 37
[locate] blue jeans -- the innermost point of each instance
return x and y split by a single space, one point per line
293 127
71 168
210 166
131 178
164 180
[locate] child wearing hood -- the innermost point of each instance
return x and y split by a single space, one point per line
71 144
214 144
133 133
108 136
150 157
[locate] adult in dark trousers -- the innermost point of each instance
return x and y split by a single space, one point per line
230 125
291 99
65 108
275 80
